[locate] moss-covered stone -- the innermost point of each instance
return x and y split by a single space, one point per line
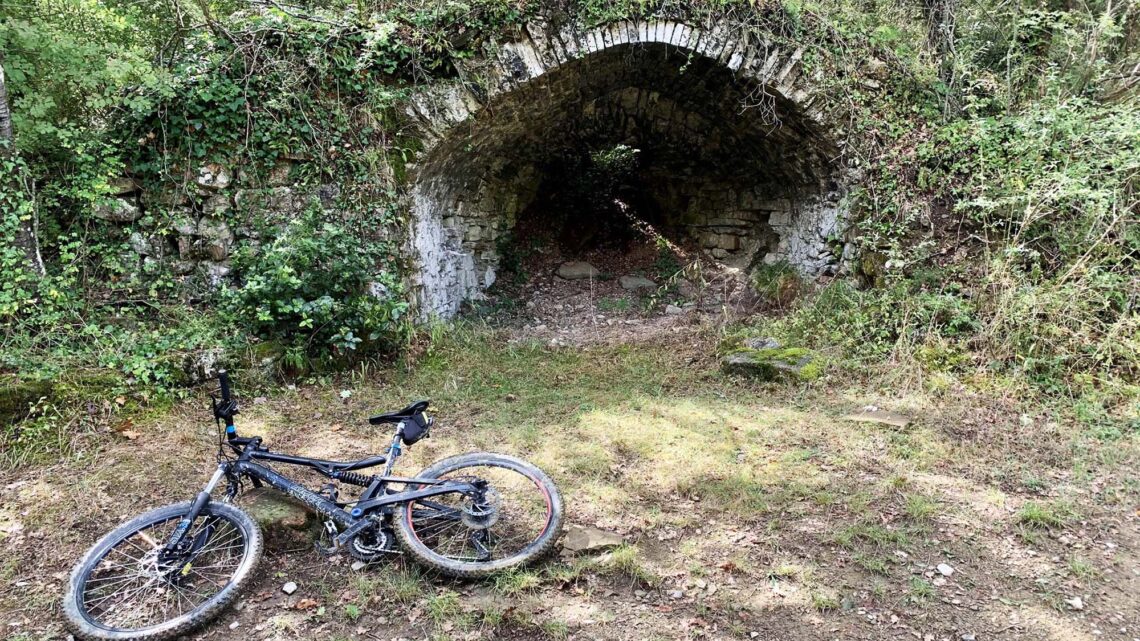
284 521
17 396
772 363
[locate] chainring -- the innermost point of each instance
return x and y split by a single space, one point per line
371 546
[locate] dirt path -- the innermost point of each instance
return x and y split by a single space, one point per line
749 512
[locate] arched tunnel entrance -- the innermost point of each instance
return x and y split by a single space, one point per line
632 134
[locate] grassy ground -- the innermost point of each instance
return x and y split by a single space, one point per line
750 511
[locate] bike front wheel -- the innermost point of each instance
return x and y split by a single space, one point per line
127 588
515 521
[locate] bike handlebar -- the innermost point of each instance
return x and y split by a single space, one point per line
224 381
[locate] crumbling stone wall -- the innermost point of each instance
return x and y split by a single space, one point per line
194 226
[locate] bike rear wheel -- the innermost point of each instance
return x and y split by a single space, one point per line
124 589
518 520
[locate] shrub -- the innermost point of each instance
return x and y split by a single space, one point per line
319 289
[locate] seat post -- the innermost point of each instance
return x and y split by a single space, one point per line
393 451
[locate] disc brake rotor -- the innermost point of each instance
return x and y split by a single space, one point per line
482 514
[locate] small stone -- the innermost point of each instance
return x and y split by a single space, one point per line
234 625
969 636
938 581
634 283
577 270
673 310
945 570
1075 603
883 418
358 566
289 588
639 594
589 539
677 594
511 398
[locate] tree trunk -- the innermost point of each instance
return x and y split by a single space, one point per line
27 236
5 111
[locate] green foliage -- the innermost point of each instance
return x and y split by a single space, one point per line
318 289
777 284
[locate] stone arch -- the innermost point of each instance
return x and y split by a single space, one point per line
744 160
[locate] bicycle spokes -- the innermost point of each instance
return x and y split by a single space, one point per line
507 513
138 583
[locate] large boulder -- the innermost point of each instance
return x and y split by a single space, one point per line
767 360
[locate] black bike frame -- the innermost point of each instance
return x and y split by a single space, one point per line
361 517
355 521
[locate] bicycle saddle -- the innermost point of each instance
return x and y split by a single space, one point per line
395 417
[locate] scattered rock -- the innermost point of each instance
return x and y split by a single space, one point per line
358 566
577 270
279 175
1076 603
234 625
589 539
762 343
123 186
945 570
673 310
882 417
213 176
677 594
289 588
118 210
634 283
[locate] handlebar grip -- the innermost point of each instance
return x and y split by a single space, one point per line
224 381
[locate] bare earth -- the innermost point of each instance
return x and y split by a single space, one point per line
750 511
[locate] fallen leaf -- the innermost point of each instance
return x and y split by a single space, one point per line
130 434
305 604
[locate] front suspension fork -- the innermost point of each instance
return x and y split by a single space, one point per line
177 539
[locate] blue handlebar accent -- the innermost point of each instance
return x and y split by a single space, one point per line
356 512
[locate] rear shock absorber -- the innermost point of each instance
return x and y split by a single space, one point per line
352 478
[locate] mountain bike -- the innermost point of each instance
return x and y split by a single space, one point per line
173 569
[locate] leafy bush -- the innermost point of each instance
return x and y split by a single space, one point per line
319 289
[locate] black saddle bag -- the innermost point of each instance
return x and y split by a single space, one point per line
415 427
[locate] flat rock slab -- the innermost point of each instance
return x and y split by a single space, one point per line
577 270
633 283
879 416
589 539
